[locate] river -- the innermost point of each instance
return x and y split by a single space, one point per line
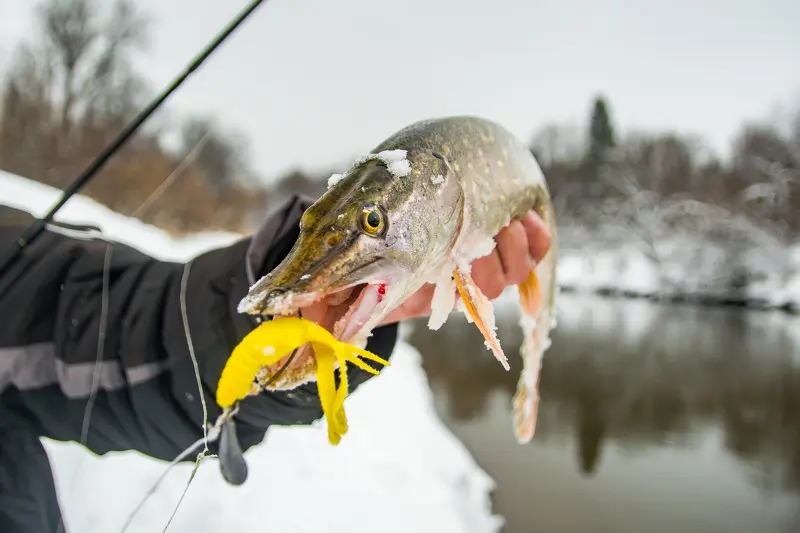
657 418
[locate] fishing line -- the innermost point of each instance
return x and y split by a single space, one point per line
178 171
104 297
209 435
87 413
185 318
37 226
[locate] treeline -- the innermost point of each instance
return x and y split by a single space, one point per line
73 88
70 91
760 179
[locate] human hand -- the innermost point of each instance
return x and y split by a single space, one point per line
520 245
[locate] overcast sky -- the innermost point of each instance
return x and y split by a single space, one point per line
312 82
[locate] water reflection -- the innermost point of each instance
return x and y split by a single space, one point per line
666 408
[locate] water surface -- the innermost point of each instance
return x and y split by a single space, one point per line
652 418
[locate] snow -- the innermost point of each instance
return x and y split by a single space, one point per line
395 161
37 199
683 268
397 470
334 179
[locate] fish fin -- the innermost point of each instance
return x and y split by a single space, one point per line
536 322
480 309
443 302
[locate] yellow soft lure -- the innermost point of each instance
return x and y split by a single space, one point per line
273 340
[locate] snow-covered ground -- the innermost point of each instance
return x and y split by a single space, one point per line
714 256
627 271
397 470
37 198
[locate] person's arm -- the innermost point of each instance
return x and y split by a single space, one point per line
50 317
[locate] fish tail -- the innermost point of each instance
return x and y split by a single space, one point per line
537 318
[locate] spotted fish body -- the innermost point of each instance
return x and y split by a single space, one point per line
439 190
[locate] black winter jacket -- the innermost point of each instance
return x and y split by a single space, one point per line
147 400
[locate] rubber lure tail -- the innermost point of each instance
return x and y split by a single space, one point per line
271 341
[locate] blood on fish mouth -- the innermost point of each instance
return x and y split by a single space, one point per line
349 309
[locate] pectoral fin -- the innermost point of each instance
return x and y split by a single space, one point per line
480 309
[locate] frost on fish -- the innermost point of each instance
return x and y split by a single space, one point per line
252 301
249 303
396 161
334 179
444 298
480 308
437 179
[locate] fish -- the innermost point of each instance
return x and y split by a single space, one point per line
419 209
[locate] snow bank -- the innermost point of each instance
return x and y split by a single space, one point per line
687 269
397 470
37 198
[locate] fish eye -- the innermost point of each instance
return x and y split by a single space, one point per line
371 220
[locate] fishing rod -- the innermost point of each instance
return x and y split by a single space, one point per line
38 225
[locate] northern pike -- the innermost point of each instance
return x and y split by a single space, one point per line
418 209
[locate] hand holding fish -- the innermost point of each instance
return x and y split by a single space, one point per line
523 241
444 215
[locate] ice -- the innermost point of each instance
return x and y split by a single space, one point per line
397 470
437 179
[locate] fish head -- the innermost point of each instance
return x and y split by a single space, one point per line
370 230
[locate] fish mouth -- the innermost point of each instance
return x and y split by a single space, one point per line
345 313
348 309
347 306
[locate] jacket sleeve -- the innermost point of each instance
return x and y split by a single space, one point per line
53 331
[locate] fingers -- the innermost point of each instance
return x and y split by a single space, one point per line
538 235
420 303
512 248
488 274
520 245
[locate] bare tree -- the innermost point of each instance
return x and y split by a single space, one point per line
67 94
